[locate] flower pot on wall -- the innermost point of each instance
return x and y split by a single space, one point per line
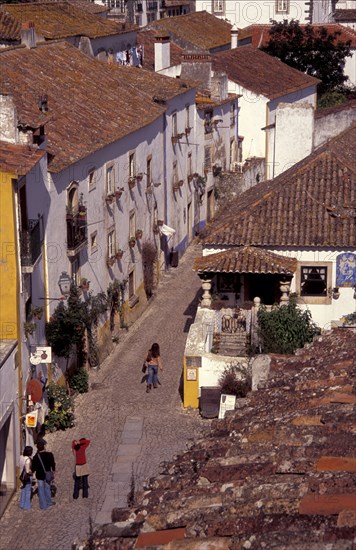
132 242
139 234
119 254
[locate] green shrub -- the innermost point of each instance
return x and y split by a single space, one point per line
230 382
60 416
285 328
79 381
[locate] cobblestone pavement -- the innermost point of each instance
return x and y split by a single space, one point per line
128 428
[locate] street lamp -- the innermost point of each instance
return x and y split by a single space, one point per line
64 283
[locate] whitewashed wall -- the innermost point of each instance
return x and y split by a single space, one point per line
9 414
249 12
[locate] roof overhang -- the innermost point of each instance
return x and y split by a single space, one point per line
246 259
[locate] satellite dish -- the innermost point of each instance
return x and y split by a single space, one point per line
35 359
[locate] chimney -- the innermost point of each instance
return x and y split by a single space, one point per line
162 51
28 34
197 66
234 36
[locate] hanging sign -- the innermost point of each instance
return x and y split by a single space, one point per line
31 419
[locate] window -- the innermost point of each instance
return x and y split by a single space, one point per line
91 179
149 171
218 6
313 281
282 6
132 165
131 284
207 158
111 243
175 174
174 125
132 224
232 114
94 241
110 180
187 117
189 165
239 149
75 272
208 122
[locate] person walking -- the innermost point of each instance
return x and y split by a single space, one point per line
25 466
44 466
154 363
81 467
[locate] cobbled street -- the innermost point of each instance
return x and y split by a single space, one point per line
117 397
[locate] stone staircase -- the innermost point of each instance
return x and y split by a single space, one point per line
234 344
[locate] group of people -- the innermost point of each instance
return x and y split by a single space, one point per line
43 466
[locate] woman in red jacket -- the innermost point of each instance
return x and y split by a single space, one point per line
81 467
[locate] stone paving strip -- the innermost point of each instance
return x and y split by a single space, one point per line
131 431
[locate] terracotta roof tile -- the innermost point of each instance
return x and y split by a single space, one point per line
314 204
197 31
245 260
79 119
269 77
345 15
260 478
258 35
10 27
18 159
55 20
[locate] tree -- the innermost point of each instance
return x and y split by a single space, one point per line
285 328
312 50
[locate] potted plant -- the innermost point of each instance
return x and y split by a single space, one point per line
110 260
37 312
139 234
119 191
139 176
84 284
82 211
132 182
132 242
110 198
180 183
29 328
160 222
174 139
175 186
187 130
119 254
190 178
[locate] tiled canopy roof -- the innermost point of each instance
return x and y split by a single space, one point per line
199 30
18 159
55 20
246 259
311 204
81 117
277 473
261 73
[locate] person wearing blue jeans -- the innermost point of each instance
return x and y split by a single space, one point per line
43 462
25 466
154 363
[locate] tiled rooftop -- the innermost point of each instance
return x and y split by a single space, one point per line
276 473
261 73
311 204
18 159
55 20
79 119
259 34
345 15
246 259
10 27
146 37
198 30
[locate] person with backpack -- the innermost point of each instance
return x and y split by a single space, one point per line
25 466
44 466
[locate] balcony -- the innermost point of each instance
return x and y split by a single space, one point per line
77 234
30 244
